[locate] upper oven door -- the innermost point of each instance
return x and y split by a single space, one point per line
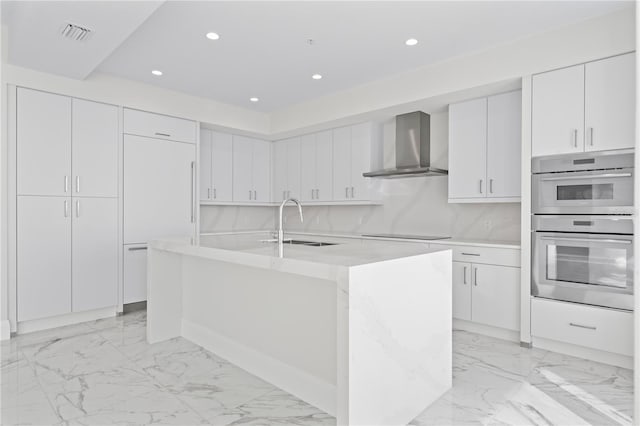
586 192
588 268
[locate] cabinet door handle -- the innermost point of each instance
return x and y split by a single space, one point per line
163 134
352 196
313 194
464 276
346 192
590 133
66 184
249 194
209 193
481 186
469 254
317 194
491 186
77 208
137 248
255 194
77 183
475 277
193 189
66 208
588 327
574 137
215 193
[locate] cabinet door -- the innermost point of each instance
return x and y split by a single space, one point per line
361 139
205 169
341 163
462 290
242 165
135 273
280 170
557 125
43 257
468 149
293 168
94 149
95 253
324 166
43 143
159 126
158 189
496 296
222 160
262 171
308 162
504 139
610 87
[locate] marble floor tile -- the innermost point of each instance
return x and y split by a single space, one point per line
105 373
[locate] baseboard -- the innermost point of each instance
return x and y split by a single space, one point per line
66 319
5 329
133 307
583 352
297 382
487 330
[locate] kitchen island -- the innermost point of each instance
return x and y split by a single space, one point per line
358 328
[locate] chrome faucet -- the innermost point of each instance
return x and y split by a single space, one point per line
280 223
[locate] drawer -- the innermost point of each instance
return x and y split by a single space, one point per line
488 255
159 126
598 328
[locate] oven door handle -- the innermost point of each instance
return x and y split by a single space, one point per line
587 240
600 176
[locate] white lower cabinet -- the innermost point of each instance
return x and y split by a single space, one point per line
43 257
604 329
67 255
486 293
95 253
135 273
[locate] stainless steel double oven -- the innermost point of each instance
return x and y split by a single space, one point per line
582 225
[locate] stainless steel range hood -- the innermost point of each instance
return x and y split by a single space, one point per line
413 145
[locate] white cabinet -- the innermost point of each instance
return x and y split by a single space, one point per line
159 126
43 143
43 257
158 189
251 170
316 167
484 149
352 156
94 253
486 285
135 273
216 158
587 107
286 169
609 101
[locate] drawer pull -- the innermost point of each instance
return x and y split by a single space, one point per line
137 248
588 327
470 254
163 134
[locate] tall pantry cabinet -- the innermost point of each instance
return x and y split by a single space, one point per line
67 205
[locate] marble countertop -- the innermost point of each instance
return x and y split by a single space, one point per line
251 248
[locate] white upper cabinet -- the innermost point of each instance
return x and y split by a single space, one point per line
94 149
587 107
94 253
308 168
353 151
484 149
504 136
251 170
43 143
557 125
316 167
216 158
468 149
159 126
286 169
361 144
610 87
341 163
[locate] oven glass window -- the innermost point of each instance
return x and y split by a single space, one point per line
600 191
605 266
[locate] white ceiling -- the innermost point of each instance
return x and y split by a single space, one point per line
263 49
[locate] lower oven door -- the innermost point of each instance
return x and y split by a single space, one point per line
595 269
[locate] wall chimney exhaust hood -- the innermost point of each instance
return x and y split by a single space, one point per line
413 145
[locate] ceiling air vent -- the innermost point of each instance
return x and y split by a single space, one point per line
76 32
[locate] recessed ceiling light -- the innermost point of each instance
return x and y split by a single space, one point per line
411 42
254 99
213 36
316 76
156 72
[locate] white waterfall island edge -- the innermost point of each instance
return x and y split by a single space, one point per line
361 329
